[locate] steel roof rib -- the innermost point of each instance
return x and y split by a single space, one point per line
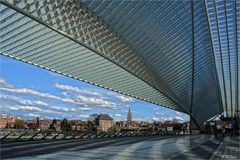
179 54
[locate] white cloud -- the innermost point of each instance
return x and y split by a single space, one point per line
73 105
81 99
47 117
84 109
13 99
160 113
168 119
69 101
65 94
3 83
118 115
179 118
25 105
62 109
84 116
125 99
178 113
68 88
50 111
25 108
30 92
156 118
33 115
98 102
26 91
140 119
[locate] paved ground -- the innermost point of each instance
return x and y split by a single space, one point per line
158 147
228 149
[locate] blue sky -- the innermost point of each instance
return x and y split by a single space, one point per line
29 91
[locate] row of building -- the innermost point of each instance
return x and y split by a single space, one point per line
96 122
8 120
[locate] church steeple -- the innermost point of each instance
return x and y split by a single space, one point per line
129 116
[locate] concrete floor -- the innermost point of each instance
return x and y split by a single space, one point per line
228 149
155 147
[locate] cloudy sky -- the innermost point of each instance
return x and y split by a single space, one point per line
29 91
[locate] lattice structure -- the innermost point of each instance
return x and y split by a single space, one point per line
225 30
172 53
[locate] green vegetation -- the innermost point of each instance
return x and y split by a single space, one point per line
65 125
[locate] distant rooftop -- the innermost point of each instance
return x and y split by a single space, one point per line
104 117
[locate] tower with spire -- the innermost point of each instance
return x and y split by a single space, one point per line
129 116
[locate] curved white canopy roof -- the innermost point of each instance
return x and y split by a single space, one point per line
178 54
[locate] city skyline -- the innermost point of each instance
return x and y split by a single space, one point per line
29 91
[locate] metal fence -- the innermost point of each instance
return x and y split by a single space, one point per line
28 135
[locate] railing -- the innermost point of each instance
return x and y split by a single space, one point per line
30 135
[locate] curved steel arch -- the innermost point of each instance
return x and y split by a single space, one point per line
166 57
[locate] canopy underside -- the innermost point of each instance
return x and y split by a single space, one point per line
184 58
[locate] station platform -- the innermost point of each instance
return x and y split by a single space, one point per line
228 149
124 148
